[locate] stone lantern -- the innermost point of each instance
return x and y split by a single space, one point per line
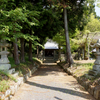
4 62
96 67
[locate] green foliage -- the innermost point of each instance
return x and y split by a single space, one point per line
12 62
60 38
14 19
82 37
98 5
74 45
94 24
76 40
36 20
49 25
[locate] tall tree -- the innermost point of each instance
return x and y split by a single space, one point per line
69 56
13 23
22 49
69 9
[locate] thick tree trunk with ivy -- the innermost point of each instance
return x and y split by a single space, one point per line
16 55
30 50
22 50
69 56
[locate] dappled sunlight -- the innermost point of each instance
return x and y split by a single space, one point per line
52 83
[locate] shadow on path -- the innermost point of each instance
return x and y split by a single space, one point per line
57 98
67 91
45 70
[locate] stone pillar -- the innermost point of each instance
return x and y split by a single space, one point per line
96 67
4 62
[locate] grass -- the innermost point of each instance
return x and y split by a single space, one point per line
4 81
82 68
86 66
22 68
4 85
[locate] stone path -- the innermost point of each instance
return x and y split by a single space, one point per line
51 83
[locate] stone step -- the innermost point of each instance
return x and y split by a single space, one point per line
50 59
15 74
89 76
10 71
46 64
92 72
20 80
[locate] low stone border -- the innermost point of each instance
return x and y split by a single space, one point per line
94 90
13 88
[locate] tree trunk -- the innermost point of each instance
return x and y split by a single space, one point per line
37 51
22 50
86 44
16 55
30 51
85 52
78 55
59 52
69 56
88 50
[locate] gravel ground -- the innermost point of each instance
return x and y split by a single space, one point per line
51 83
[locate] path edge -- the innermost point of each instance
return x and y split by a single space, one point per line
93 90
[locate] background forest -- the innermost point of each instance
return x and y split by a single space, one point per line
26 24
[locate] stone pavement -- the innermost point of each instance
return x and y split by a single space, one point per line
50 82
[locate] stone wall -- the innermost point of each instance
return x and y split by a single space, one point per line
20 80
